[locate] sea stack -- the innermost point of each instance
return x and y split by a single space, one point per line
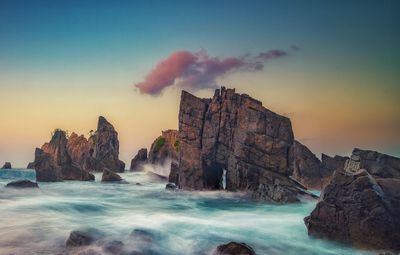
7 165
360 206
232 142
165 147
139 160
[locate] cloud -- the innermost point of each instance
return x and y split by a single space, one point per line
198 70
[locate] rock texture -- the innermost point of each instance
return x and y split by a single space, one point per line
31 165
139 160
7 165
235 133
81 150
234 248
361 205
106 148
53 162
21 184
164 147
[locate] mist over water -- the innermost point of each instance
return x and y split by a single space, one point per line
39 221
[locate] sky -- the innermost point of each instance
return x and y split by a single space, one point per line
331 66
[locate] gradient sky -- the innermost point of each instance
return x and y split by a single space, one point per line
64 63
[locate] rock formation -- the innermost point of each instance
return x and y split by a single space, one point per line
106 148
53 162
139 160
21 184
81 150
111 176
234 248
7 165
31 165
233 137
361 205
164 147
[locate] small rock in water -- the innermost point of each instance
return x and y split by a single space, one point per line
83 237
234 248
7 165
21 184
110 176
171 186
138 184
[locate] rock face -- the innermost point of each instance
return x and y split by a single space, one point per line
53 162
361 207
81 150
31 165
234 248
233 137
106 148
22 184
164 147
7 165
139 160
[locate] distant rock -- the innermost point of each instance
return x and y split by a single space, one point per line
7 165
360 208
232 137
164 147
21 184
110 176
234 248
106 148
53 162
139 160
31 165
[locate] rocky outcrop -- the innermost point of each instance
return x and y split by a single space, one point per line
7 165
139 160
81 150
164 147
234 248
361 205
233 137
31 165
53 162
22 184
106 148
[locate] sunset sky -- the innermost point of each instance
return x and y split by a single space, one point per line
331 66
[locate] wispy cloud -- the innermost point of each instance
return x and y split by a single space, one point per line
198 70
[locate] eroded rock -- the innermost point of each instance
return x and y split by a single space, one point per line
164 147
139 160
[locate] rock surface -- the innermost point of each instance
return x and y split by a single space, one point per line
83 237
81 150
139 160
7 165
106 148
110 176
360 208
53 162
22 184
31 165
235 133
234 248
164 147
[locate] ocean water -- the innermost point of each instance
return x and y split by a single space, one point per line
39 221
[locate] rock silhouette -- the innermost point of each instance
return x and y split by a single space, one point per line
139 160
7 165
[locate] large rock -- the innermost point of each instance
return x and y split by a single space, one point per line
81 150
139 160
234 248
360 210
164 147
21 184
53 162
7 165
106 148
233 135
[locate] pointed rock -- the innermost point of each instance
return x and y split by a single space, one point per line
139 160
7 165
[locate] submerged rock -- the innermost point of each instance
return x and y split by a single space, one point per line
171 186
80 238
360 209
110 176
233 135
113 247
234 248
7 165
139 160
31 165
22 184
164 147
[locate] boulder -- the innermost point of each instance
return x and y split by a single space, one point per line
234 248
171 186
21 184
110 176
83 237
53 162
106 148
31 165
232 137
164 147
359 209
7 165
139 160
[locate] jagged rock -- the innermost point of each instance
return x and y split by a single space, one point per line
31 165
330 164
234 132
234 248
22 184
110 176
106 148
81 150
7 165
53 162
359 209
164 147
139 160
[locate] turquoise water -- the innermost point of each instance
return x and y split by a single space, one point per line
39 221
